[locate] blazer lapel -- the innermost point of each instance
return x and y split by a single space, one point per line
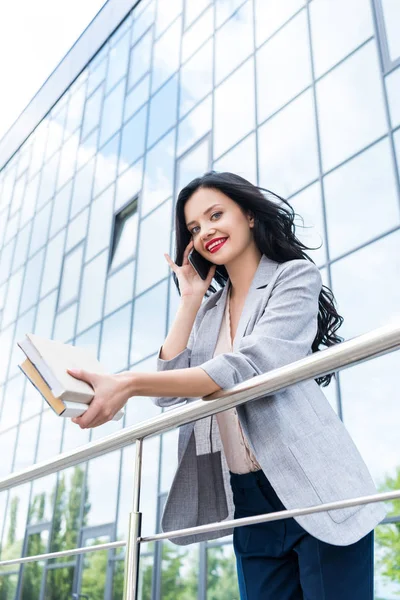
211 324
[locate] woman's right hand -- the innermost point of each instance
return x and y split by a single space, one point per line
190 282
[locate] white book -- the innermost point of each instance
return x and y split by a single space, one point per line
48 361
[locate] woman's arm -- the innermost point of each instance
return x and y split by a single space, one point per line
178 336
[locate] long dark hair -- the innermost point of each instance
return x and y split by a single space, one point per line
273 234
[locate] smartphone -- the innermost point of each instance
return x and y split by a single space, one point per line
199 263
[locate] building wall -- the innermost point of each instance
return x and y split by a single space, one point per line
299 97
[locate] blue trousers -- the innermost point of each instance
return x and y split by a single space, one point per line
281 561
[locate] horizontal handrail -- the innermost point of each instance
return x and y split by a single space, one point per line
351 352
266 517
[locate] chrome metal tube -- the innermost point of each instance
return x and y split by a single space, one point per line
375 343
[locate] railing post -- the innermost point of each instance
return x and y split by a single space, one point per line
131 577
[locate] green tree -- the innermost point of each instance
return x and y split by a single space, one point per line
388 536
221 575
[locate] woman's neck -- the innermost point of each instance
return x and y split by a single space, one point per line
241 273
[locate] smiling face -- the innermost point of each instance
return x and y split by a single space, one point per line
225 219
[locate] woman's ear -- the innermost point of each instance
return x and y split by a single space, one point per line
250 217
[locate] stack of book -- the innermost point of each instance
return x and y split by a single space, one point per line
46 367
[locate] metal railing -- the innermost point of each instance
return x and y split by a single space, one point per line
349 353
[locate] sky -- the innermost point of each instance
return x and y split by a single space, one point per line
34 37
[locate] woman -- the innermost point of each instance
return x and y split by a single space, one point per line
285 450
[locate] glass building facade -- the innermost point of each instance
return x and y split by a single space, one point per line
300 97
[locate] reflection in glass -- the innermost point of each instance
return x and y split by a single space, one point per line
59 583
115 340
77 230
140 58
112 112
142 19
64 327
228 52
386 554
106 165
129 184
87 148
75 109
40 229
356 190
120 287
45 315
234 111
337 28
92 291
393 92
350 106
166 54
196 78
100 223
91 117
66 167
159 173
153 243
101 502
13 297
42 498
7 445
71 276
142 408
283 67
169 459
24 324
82 188
162 110
195 125
137 97
27 440
48 180
166 13
288 158
309 225
12 401
200 31
133 139
97 73
193 164
53 263
32 572
148 331
30 290
29 202
221 573
15 522
224 9
272 15
180 569
241 160
391 15
60 212
124 235
118 61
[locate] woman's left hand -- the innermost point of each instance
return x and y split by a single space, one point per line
111 393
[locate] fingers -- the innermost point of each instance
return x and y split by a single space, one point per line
186 253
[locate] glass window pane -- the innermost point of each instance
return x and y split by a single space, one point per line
7 446
354 190
224 9
148 331
29 203
221 572
194 164
200 31
337 28
112 112
391 15
195 125
166 13
59 583
140 58
350 106
147 408
12 401
142 19
120 287
33 273
82 188
101 218
66 167
133 140
166 54
77 230
15 523
196 78
163 110
273 14
393 91
180 567
91 116
87 148
288 158
241 160
53 263
125 234
153 243
40 229
228 52
71 276
234 112
48 180
118 61
137 97
283 66
24 325
159 173
310 229
75 109
129 185
115 340
92 292
97 71
12 298
106 165
41 505
64 326
102 500
45 315
60 212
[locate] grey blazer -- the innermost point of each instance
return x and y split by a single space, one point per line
301 444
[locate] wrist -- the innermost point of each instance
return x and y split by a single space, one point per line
127 381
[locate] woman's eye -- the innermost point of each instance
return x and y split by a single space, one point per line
192 231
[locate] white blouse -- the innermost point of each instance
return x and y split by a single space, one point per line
239 457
